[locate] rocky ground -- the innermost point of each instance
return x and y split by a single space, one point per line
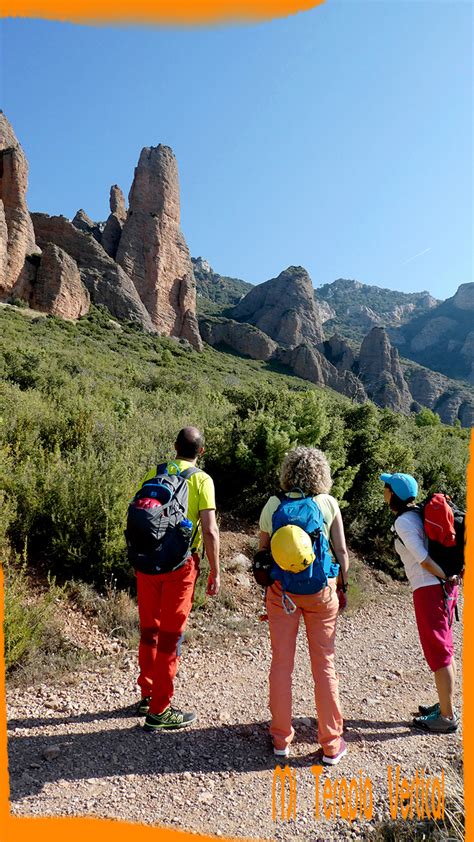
77 749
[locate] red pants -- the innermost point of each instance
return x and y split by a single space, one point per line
164 603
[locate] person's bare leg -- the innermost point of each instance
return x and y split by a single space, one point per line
445 679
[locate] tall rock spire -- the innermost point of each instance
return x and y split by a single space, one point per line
15 221
152 250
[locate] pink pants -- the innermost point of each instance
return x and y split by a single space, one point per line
319 613
434 620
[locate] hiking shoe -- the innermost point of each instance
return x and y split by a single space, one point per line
169 719
333 760
143 706
281 752
435 723
425 710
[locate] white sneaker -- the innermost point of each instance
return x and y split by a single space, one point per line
282 752
334 760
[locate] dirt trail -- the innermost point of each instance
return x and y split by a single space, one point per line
76 748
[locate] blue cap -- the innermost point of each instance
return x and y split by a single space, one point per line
403 485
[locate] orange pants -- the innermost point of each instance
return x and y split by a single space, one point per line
319 613
164 604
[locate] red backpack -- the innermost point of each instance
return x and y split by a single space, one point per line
444 525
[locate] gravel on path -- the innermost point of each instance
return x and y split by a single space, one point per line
77 749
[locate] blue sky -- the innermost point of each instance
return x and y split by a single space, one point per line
339 139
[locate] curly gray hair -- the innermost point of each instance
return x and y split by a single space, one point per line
308 469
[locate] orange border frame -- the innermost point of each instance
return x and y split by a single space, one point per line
174 12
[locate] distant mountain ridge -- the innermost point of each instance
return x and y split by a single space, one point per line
285 321
436 334
443 338
353 307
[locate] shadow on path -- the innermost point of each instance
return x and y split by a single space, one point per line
129 750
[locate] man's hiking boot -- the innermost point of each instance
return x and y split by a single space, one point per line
168 720
435 723
143 706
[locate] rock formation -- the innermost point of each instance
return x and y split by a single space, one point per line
3 245
152 250
452 401
106 282
464 298
425 386
467 352
86 224
14 218
58 288
380 371
307 362
243 338
431 333
114 226
339 353
284 308
325 311
439 339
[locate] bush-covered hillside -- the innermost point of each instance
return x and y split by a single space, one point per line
216 293
87 407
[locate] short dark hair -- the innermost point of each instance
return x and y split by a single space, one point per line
189 442
396 503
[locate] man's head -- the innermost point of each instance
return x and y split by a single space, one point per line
189 443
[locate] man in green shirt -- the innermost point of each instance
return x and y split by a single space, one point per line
165 599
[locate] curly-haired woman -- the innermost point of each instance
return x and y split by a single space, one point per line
305 472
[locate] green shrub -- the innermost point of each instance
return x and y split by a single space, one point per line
86 409
27 620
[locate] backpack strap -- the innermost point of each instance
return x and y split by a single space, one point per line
416 509
189 472
186 474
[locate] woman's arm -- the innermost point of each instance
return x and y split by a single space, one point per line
431 566
263 541
338 541
410 532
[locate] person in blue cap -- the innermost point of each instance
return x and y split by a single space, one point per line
433 618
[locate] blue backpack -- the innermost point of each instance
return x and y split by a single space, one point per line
305 513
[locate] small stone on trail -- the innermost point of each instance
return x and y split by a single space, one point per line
51 752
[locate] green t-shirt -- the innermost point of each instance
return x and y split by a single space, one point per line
201 494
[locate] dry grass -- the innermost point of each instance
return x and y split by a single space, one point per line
451 829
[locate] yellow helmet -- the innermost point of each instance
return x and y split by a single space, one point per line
292 548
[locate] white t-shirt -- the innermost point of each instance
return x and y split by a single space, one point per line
413 549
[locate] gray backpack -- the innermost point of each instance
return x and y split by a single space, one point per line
159 535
